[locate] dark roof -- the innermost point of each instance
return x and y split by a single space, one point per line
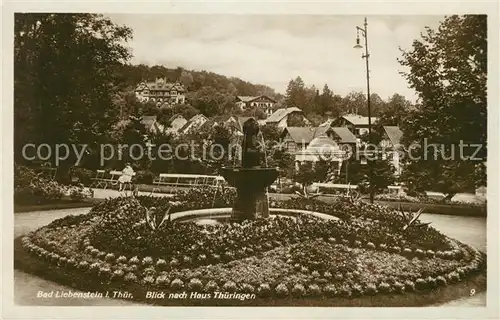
345 135
394 134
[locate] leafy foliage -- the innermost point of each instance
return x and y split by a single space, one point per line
70 99
448 69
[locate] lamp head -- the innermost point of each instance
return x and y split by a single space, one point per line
358 46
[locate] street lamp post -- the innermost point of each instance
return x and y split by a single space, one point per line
366 56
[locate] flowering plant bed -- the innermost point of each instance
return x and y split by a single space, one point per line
305 259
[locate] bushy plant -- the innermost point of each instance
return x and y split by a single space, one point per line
298 290
195 284
264 290
229 286
211 286
281 290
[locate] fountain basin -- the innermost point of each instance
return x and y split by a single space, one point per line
249 178
224 214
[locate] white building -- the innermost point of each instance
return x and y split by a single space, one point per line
161 92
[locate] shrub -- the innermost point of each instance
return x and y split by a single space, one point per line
211 286
161 264
281 290
130 277
150 271
177 284
453 277
83 265
314 290
32 188
421 284
229 286
144 177
399 287
384 287
345 291
134 260
109 257
441 281
264 290
83 175
247 288
121 259
357 290
148 280
162 280
147 261
298 290
431 282
371 289
330 290
195 284
117 274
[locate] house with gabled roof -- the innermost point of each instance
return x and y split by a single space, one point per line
281 117
152 125
262 102
357 124
298 138
161 92
192 124
177 121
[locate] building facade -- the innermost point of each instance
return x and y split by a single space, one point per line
160 92
264 103
288 117
357 124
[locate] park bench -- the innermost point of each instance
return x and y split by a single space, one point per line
46 171
103 179
174 180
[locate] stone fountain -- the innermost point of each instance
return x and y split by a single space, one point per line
251 179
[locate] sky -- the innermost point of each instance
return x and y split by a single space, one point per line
273 49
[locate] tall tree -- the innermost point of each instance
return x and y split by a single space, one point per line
64 78
448 70
295 96
355 102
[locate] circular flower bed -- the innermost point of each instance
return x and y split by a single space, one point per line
367 252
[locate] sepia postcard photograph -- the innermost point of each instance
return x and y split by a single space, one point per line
327 159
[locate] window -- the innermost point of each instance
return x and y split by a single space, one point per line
291 146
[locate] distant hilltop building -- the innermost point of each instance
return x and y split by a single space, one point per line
161 92
262 102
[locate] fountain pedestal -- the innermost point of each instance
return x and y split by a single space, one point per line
250 180
251 198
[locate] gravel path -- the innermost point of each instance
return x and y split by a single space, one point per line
471 230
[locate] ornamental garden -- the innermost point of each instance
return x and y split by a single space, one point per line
307 253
